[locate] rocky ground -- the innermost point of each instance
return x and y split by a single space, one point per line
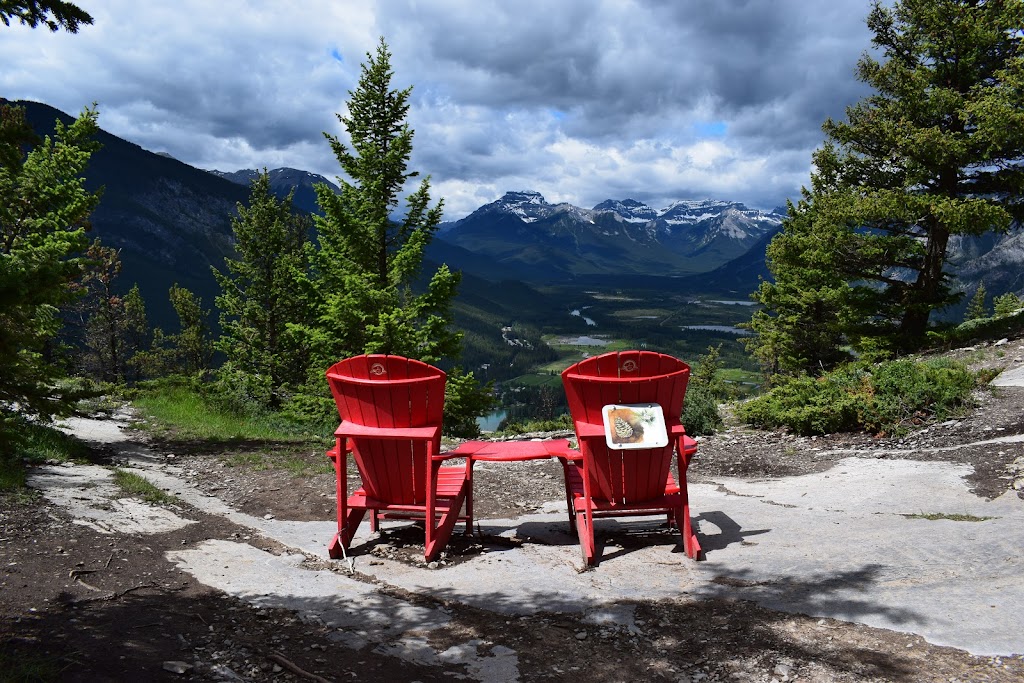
80 605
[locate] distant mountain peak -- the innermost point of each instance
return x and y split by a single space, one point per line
628 209
528 205
283 181
529 196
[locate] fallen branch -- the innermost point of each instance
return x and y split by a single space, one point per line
112 596
89 585
280 659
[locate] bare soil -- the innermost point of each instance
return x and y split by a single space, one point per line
83 606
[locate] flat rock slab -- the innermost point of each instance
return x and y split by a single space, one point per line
852 543
357 611
1009 378
91 497
896 544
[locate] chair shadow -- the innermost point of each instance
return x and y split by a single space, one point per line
624 536
616 537
729 531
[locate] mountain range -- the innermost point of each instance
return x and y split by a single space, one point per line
553 242
172 223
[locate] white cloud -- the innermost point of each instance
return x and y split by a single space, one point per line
580 100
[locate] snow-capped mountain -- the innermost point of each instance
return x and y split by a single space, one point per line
616 236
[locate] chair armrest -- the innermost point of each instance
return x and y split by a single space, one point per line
559 448
587 430
353 430
687 445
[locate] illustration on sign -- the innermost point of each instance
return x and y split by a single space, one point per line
638 425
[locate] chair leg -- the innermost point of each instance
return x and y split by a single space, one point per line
690 543
568 494
469 502
347 529
585 531
437 536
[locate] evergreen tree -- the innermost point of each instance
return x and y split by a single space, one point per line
805 314
262 299
976 308
44 211
186 353
368 262
937 151
1006 304
105 315
113 326
137 335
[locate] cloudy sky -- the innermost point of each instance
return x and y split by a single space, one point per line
581 100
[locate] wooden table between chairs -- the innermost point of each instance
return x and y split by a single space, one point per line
513 451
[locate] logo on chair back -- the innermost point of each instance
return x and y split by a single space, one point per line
377 369
629 366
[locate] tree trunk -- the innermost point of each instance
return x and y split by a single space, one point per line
925 292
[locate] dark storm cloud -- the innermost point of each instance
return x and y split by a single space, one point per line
657 99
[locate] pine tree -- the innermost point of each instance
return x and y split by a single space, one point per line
976 308
188 352
262 300
1006 304
105 315
368 262
936 151
805 314
44 211
137 335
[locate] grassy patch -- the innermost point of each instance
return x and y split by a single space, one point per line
137 486
945 515
301 467
187 414
294 463
253 461
32 443
27 668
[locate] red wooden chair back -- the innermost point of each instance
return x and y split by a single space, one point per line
622 477
389 391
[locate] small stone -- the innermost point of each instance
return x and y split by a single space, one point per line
581 635
268 516
783 670
177 667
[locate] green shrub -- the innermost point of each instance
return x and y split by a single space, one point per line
700 412
809 405
883 398
700 409
905 392
982 329
464 401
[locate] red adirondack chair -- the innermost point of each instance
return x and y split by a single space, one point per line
606 481
391 410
